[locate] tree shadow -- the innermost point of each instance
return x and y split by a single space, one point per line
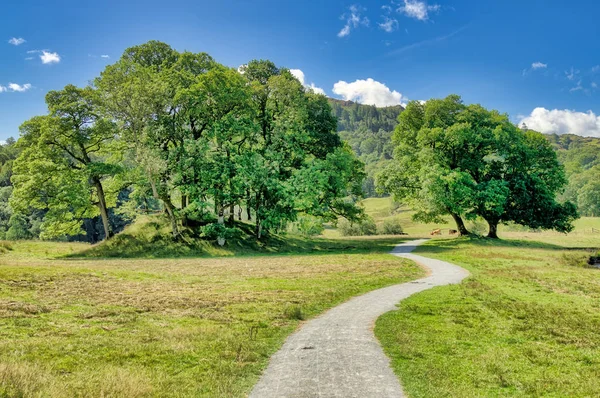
444 245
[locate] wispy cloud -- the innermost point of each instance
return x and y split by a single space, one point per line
538 65
418 9
17 41
427 42
571 74
105 56
535 66
353 19
389 24
596 69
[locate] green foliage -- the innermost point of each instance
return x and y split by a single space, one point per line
213 231
363 227
18 227
391 226
467 162
161 126
307 225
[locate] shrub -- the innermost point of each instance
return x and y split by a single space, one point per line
215 230
391 226
364 227
308 225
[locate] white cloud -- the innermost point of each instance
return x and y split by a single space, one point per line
563 122
353 19
28 58
418 9
49 58
538 65
389 24
596 69
105 56
298 74
2 89
19 88
368 92
594 85
316 89
17 41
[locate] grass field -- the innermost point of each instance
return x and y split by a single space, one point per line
166 327
128 319
524 324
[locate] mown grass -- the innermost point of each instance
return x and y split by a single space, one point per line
525 323
165 327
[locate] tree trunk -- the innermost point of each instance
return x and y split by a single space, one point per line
102 207
493 231
249 213
460 225
231 215
258 228
171 212
183 206
240 213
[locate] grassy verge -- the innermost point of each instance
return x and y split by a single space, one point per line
170 327
524 324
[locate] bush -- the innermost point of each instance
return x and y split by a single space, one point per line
215 230
364 227
391 226
308 225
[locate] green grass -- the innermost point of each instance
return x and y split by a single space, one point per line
166 327
525 323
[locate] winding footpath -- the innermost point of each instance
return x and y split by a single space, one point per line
337 354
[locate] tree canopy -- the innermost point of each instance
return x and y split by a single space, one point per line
466 162
180 132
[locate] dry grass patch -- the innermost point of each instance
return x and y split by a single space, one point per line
183 327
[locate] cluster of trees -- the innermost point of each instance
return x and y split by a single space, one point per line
467 162
160 129
368 130
581 158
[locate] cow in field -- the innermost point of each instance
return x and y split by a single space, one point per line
452 232
436 232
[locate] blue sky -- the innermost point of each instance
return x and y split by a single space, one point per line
536 60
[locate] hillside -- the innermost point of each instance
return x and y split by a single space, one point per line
581 157
368 129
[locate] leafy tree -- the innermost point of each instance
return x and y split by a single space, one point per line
466 161
65 161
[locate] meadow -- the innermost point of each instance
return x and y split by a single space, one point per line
525 323
116 320
154 327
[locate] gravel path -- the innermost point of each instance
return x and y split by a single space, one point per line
337 354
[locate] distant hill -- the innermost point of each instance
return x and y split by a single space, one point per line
368 129
581 157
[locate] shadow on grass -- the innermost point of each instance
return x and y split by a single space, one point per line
443 245
129 246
